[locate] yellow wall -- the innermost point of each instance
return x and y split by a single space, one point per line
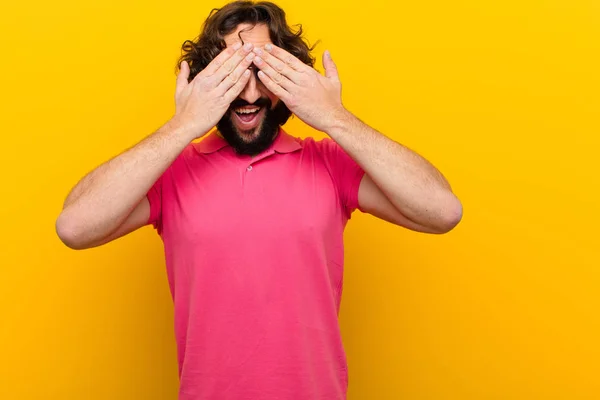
503 96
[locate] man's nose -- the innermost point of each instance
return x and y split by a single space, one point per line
251 92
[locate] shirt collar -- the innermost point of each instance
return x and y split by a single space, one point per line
284 143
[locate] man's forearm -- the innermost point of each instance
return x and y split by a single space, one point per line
103 199
412 184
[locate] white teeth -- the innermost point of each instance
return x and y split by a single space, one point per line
247 110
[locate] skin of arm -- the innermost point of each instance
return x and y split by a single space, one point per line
399 185
103 199
421 197
110 201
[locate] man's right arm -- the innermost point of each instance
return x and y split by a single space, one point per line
110 201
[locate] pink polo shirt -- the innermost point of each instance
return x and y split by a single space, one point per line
254 254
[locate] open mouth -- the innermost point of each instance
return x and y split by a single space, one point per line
248 116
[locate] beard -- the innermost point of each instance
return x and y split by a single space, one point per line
274 117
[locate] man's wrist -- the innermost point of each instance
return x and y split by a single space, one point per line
184 129
341 121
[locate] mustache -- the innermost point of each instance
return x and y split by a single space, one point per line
262 102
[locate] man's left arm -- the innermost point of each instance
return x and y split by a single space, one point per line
399 185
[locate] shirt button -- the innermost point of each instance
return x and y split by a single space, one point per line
249 168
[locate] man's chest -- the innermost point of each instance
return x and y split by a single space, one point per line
261 201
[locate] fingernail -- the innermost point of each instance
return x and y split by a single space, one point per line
247 46
250 56
268 47
237 46
258 60
258 51
327 54
247 72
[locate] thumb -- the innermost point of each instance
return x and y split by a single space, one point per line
331 71
182 77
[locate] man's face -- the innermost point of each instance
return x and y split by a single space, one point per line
253 119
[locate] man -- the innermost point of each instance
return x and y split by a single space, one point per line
251 217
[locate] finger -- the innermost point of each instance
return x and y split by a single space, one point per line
279 65
182 77
220 59
230 64
276 89
274 75
331 71
286 58
236 74
235 90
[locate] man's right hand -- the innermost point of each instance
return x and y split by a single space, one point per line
201 103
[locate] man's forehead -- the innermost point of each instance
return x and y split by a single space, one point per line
258 35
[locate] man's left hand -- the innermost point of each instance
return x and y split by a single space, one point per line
314 98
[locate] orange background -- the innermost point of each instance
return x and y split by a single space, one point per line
502 96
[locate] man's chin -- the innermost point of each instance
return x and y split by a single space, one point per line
248 135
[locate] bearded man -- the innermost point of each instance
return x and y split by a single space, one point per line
252 217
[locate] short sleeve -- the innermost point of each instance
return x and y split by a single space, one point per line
154 197
346 173
161 192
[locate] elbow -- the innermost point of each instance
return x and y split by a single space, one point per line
68 233
451 215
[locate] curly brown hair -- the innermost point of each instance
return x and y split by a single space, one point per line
198 53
